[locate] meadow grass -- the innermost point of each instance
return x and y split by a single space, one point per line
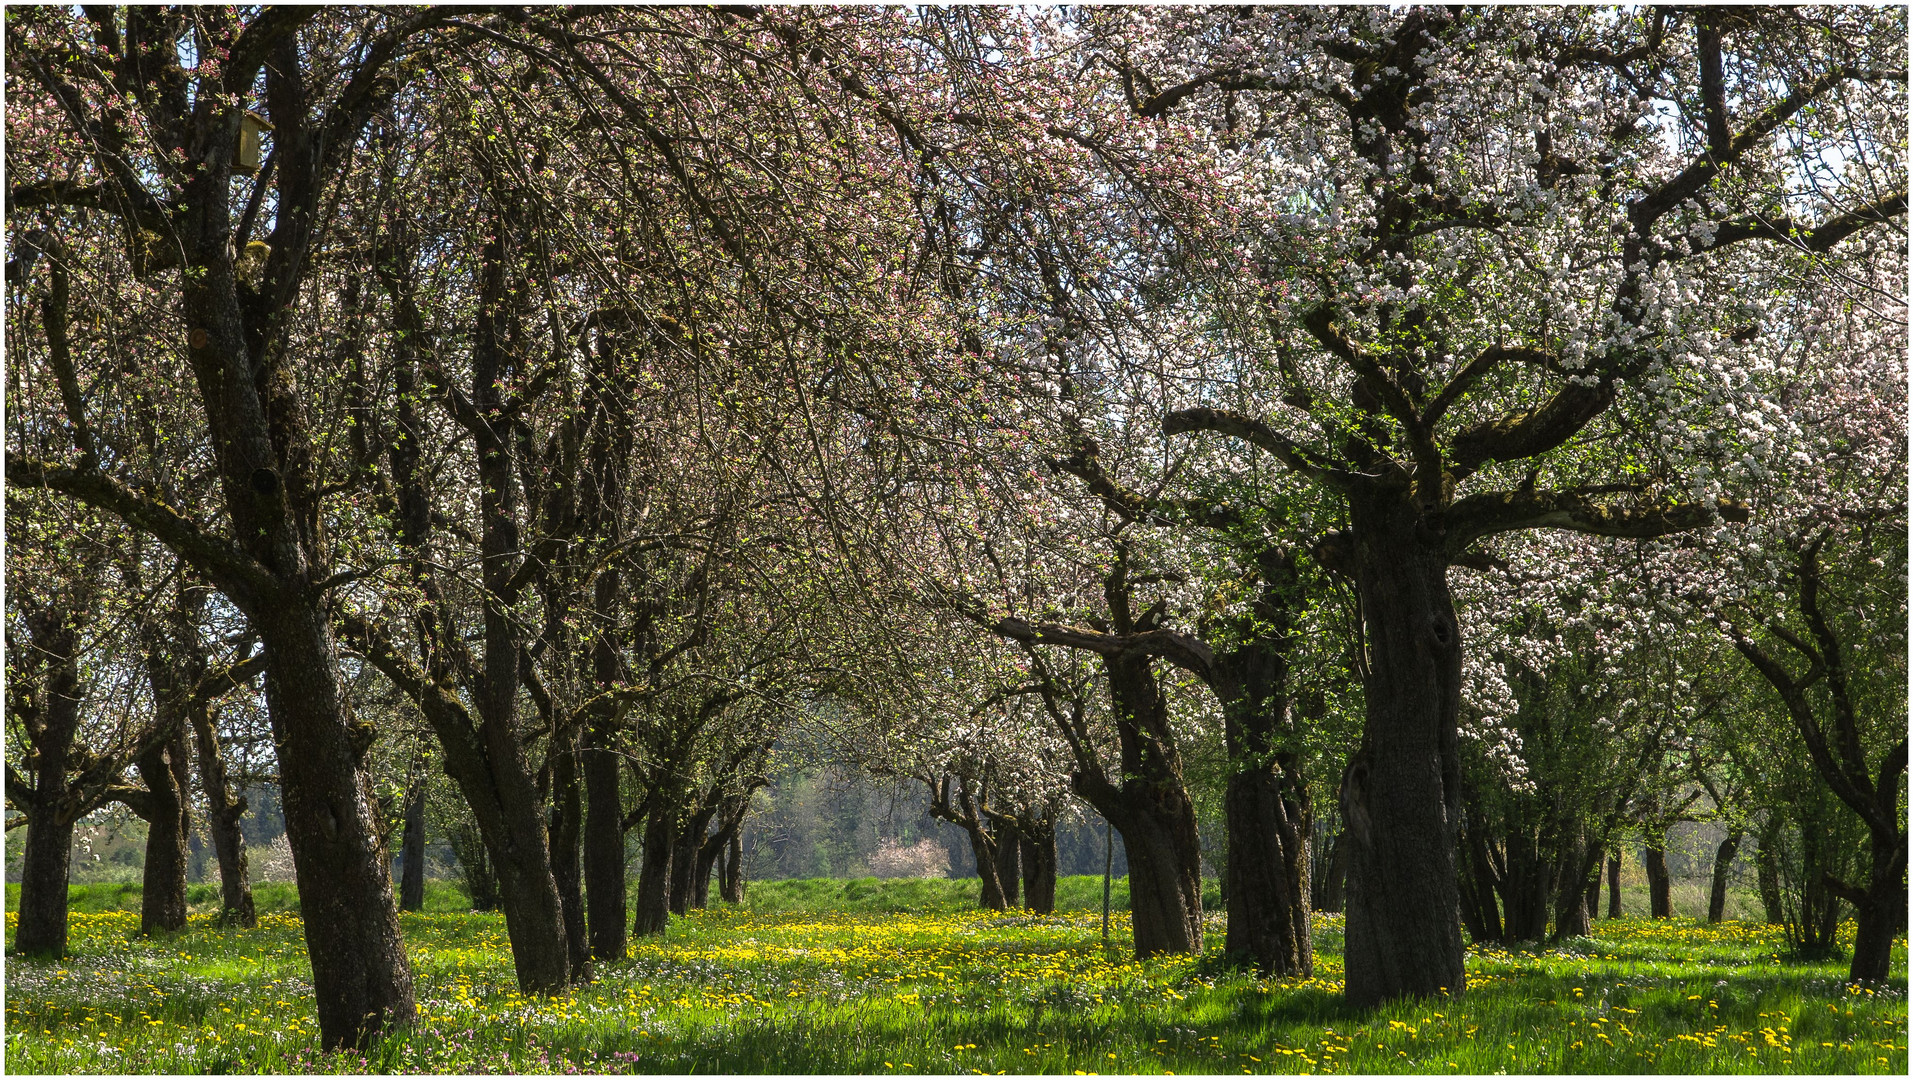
915 982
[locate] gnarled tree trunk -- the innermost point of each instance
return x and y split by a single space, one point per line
1401 793
1153 812
1266 802
167 811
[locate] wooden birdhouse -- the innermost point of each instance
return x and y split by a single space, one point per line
250 126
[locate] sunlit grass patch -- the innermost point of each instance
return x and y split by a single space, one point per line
949 991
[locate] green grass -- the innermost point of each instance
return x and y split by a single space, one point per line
891 989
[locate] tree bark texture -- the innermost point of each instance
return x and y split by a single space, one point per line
1723 863
1039 867
963 802
1767 870
1614 884
361 978
1165 853
1880 913
47 704
1268 909
1832 732
168 778
1401 794
1660 899
1153 812
46 859
603 843
707 857
1578 864
412 848
1008 866
1479 883
174 669
601 494
722 841
983 846
1265 804
1525 879
684 856
362 981
565 836
654 871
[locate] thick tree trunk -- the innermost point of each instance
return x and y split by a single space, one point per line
567 823
361 979
1008 866
174 669
512 829
412 848
1265 803
600 495
603 845
1153 812
168 777
1401 794
684 860
1767 871
654 870
1880 914
732 879
43 876
1614 884
1165 886
1267 874
224 810
1723 862
707 856
1039 868
1660 898
1579 864
1525 893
